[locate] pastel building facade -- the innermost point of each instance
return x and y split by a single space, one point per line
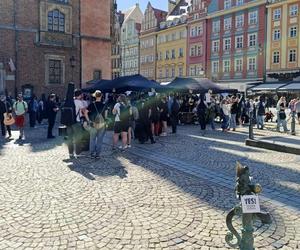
130 31
283 40
150 24
236 34
171 49
196 39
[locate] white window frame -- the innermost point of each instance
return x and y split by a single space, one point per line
253 17
293 31
226 66
227 23
238 67
239 21
216 26
239 2
227 4
251 64
276 35
294 8
227 46
215 66
239 42
216 46
252 43
277 14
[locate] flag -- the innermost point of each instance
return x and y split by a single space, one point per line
11 65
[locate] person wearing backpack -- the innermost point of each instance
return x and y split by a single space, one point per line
32 110
261 111
174 111
121 111
20 108
96 114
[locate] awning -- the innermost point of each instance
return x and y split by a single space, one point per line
240 86
290 87
268 87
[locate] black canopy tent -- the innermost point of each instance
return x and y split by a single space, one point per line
122 84
98 85
201 85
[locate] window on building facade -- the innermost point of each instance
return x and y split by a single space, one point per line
276 14
276 57
227 44
173 54
239 65
239 21
252 40
239 42
180 71
199 50
216 26
216 46
252 16
294 10
160 73
215 67
226 66
192 51
167 72
192 32
55 71
293 31
180 52
227 23
97 74
167 55
192 71
173 36
227 4
292 55
251 63
173 72
199 30
276 35
239 2
56 21
61 1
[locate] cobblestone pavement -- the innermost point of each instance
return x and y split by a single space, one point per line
160 196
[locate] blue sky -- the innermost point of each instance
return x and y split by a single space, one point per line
125 4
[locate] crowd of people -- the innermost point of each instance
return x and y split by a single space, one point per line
141 117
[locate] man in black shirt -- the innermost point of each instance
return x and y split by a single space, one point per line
96 114
52 111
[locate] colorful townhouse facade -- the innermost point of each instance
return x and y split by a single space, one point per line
130 44
148 42
197 37
283 41
171 49
236 34
172 43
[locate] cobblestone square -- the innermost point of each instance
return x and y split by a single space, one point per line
174 194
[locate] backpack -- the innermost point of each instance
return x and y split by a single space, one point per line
261 109
124 113
99 121
175 107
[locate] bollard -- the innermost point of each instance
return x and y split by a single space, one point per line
293 123
251 133
243 187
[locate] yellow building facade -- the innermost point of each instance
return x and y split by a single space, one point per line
283 39
171 50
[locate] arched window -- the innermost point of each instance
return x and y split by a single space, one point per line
56 21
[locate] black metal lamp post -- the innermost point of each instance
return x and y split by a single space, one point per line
73 64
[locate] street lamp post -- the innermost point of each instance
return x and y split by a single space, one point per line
73 64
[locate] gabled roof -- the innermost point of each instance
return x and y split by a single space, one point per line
160 14
177 6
